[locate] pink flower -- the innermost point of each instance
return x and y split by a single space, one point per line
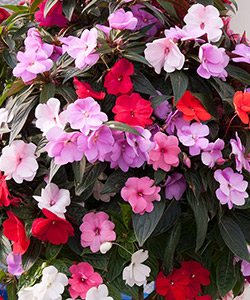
14 262
83 48
122 20
175 186
164 53
140 193
239 153
83 279
213 62
96 229
165 153
18 161
63 146
212 153
204 20
232 188
85 114
243 51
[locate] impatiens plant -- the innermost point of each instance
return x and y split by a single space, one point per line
124 150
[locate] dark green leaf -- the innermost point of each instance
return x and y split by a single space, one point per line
225 90
53 169
142 85
34 5
97 261
179 81
124 288
169 7
31 255
194 180
238 73
68 8
115 265
5 248
10 58
61 266
135 57
205 2
67 92
126 214
52 251
24 29
11 291
77 211
31 276
114 292
49 4
114 125
78 169
208 103
47 92
157 100
159 175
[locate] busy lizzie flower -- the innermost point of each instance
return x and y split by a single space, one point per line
175 186
241 103
122 20
98 293
4 192
174 122
4 14
84 90
105 247
212 153
27 293
162 110
244 53
239 153
14 262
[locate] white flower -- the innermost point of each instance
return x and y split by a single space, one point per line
105 247
27 294
54 199
100 293
136 272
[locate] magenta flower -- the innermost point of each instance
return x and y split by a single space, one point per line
175 186
204 20
63 146
85 114
96 229
232 188
83 279
162 110
140 193
18 161
239 153
193 137
122 20
213 62
14 264
244 52
164 53
212 153
165 153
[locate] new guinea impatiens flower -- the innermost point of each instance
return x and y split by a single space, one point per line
14 262
241 160
241 103
164 53
244 53
140 193
122 20
18 161
136 273
98 293
232 188
84 90
212 153
96 229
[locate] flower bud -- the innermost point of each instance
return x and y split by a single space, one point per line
105 247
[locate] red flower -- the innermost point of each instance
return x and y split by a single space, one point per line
15 231
54 229
227 1
206 297
15 201
197 275
84 90
192 108
117 80
174 286
3 15
242 106
4 192
133 110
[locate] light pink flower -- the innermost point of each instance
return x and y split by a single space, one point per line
165 153
164 53
244 52
18 161
212 153
122 20
83 279
239 152
85 114
96 229
140 193
204 20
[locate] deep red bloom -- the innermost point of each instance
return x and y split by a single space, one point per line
3 15
192 108
54 229
54 16
197 274
15 201
242 106
4 192
174 286
206 297
117 80
84 90
14 230
133 110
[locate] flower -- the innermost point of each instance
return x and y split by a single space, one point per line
212 153
98 293
105 247
96 229
48 116
53 229
18 161
4 14
84 90
83 279
204 20
192 108
14 230
27 293
174 122
98 186
193 137
140 193
63 146
162 110
244 53
133 110
213 62
232 188
54 199
4 192
122 20
165 153
164 53
14 264
117 80
53 17
136 272
239 153
241 103
85 114
175 186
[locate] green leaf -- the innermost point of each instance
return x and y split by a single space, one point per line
77 211
47 92
53 250
226 273
179 81
61 266
10 58
145 224
49 4
53 169
157 100
126 214
234 238
115 265
159 175
34 5
225 90
11 291
78 169
238 73
16 87
142 85
67 92
15 7
5 248
31 255
97 261
205 2
31 276
24 29
114 292
208 103
124 288
114 125
68 8
135 57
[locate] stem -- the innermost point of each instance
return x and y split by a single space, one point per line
229 125
105 62
123 248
